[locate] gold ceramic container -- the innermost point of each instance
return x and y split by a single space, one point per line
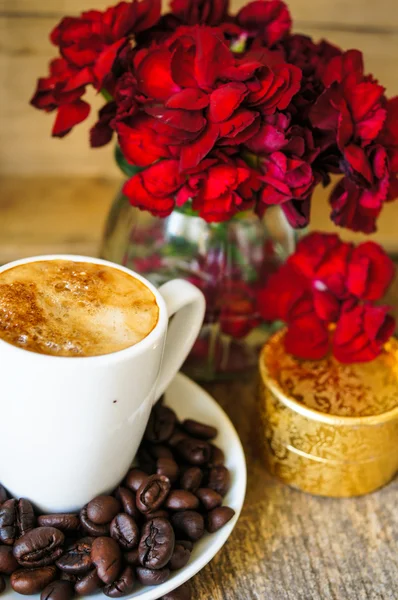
330 429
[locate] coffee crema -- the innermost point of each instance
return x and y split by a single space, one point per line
68 308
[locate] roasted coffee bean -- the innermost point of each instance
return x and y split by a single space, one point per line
160 451
199 430
160 425
8 562
32 581
69 577
161 514
189 523
58 590
217 457
191 479
157 544
209 498
134 479
123 585
2 584
151 577
64 522
186 543
152 493
177 436
90 527
219 480
103 509
180 557
16 519
181 593
107 557
127 498
167 467
145 460
89 584
3 494
181 500
39 547
125 531
218 517
194 452
77 558
132 558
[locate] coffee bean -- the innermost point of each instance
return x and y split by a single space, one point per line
217 456
151 577
3 494
32 581
127 498
209 498
186 543
90 527
8 562
160 451
132 558
161 514
77 558
181 593
89 584
58 590
199 430
191 479
134 479
2 584
107 557
177 436
68 577
16 519
145 460
157 544
125 531
103 509
189 523
181 500
122 586
64 522
195 452
160 425
219 480
39 547
152 493
218 517
167 467
180 557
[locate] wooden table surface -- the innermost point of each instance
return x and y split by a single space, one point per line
287 545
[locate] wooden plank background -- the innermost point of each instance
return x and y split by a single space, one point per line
27 149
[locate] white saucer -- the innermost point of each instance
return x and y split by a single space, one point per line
191 401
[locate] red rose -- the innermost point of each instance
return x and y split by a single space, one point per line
285 296
94 39
361 332
268 20
62 91
370 272
238 315
154 188
102 131
220 187
204 12
307 337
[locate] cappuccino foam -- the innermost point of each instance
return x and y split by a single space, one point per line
67 308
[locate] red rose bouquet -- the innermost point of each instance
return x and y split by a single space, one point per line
215 114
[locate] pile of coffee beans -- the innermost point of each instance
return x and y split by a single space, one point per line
141 533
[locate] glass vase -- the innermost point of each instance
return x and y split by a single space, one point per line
228 261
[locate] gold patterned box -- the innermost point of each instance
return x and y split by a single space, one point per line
330 429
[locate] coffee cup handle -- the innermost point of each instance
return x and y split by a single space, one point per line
186 304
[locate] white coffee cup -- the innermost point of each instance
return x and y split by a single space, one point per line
70 427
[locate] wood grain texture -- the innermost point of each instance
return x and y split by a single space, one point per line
287 545
356 13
